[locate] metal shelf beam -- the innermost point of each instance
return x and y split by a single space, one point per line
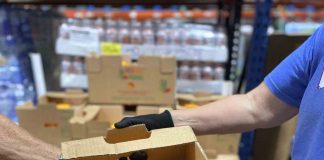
117 2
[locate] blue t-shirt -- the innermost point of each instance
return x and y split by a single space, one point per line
299 81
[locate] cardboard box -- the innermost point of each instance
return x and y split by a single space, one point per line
197 99
178 143
72 97
219 144
46 121
149 82
93 121
227 157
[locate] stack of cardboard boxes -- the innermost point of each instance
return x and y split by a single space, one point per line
114 81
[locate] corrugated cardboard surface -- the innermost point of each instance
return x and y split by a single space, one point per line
227 157
144 110
94 121
274 143
163 144
149 82
220 144
45 122
72 97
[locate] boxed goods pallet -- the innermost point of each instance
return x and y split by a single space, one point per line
114 80
178 143
49 120
55 122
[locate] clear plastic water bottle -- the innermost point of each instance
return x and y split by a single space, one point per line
98 24
207 72
195 72
65 64
135 34
148 33
219 73
162 34
78 65
65 29
111 34
184 71
123 32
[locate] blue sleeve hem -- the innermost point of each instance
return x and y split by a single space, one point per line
278 93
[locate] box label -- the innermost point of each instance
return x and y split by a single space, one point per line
108 48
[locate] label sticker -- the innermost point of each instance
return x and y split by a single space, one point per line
321 84
108 48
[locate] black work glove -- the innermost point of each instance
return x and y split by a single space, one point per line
151 121
140 155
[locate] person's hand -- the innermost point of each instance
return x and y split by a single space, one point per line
151 121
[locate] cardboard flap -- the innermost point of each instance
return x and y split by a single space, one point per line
127 134
42 100
27 105
89 113
93 64
74 91
98 146
47 106
168 65
75 94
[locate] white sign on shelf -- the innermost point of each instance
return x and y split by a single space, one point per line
80 42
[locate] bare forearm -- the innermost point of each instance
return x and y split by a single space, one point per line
17 144
233 114
256 109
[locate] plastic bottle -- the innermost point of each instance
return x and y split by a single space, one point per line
219 73
111 34
162 34
87 23
210 37
195 72
207 72
98 24
148 33
135 34
78 65
220 36
193 35
184 71
123 32
65 28
65 64
176 34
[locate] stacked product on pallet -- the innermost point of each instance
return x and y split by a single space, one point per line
147 87
16 82
201 46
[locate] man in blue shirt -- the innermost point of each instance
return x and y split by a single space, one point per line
296 86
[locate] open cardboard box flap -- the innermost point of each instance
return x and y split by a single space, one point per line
85 114
125 141
73 97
